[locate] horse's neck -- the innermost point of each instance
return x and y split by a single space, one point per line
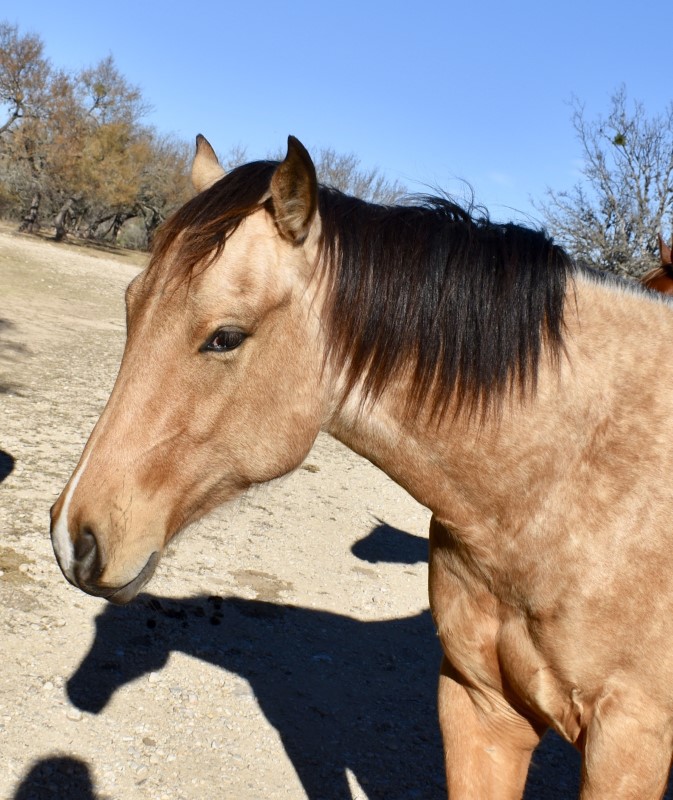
465 471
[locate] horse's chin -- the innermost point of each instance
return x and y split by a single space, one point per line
127 592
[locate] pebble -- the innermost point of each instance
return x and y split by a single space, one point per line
74 714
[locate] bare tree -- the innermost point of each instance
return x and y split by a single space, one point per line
343 172
108 97
24 75
611 219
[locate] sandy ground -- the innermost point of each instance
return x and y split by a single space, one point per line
284 648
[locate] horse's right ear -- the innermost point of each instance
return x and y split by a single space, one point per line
294 191
206 169
664 252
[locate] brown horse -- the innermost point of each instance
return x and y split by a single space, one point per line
478 367
661 278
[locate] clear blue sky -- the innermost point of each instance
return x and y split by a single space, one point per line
429 92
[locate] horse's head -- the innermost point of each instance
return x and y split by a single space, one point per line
221 382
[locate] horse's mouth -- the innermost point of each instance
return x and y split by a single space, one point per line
124 594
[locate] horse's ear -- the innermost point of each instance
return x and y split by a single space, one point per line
206 169
294 191
664 251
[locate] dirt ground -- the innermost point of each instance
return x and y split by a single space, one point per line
283 649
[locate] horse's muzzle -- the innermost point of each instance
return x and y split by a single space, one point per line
88 566
122 594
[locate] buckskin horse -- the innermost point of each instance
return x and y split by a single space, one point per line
482 370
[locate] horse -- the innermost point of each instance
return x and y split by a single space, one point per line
661 278
479 367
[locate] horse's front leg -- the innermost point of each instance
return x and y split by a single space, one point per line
627 748
487 745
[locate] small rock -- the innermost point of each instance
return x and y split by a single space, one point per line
74 714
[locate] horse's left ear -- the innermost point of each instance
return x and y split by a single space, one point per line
294 191
206 169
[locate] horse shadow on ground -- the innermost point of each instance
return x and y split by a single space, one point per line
6 465
55 778
343 694
385 544
340 692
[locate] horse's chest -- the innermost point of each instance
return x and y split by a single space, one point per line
493 645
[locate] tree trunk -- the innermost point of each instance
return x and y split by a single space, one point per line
153 218
30 223
61 220
119 220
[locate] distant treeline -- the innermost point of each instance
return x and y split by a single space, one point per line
77 160
74 154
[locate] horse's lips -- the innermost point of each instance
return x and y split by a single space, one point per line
127 592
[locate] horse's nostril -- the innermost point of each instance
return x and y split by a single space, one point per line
88 563
85 544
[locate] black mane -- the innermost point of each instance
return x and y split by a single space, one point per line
470 304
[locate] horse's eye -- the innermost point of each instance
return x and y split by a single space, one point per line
223 340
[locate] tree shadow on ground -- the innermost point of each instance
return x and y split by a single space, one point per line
55 778
6 465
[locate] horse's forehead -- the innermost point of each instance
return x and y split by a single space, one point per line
252 271
251 259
